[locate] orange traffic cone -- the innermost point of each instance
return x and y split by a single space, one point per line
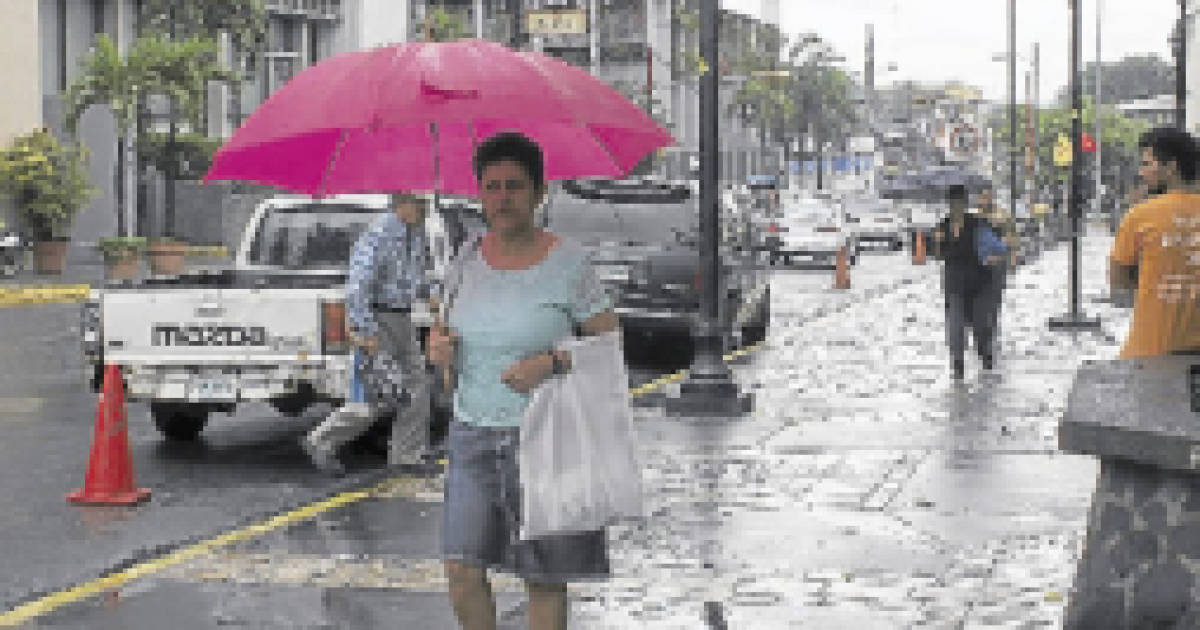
109 479
919 250
841 276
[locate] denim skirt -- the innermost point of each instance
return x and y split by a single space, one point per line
482 512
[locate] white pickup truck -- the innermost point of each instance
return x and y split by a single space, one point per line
271 328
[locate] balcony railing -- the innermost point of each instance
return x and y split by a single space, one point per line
312 9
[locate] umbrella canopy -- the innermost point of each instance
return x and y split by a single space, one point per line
407 118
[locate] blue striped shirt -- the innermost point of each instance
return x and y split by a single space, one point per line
390 266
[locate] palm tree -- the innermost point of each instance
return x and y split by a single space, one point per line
152 65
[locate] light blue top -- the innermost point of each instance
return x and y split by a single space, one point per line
503 316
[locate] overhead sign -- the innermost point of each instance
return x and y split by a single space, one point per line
862 144
556 22
1062 150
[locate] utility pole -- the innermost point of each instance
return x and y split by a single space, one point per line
1012 108
1037 119
1074 320
709 388
1099 102
1181 69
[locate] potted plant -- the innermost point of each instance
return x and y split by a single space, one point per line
166 255
122 256
49 184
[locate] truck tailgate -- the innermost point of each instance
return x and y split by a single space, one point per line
213 326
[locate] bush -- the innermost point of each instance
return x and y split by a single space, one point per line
116 247
48 182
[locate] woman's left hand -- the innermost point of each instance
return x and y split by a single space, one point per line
526 374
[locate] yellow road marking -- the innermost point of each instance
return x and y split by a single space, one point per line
117 579
43 294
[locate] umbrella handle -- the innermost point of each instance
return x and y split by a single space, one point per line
436 308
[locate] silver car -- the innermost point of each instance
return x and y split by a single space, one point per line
810 230
875 221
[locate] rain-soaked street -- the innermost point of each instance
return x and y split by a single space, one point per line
866 489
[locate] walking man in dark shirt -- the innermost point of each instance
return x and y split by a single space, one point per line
965 282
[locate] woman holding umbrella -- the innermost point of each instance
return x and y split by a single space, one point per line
517 291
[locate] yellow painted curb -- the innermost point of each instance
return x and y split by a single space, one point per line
208 250
43 294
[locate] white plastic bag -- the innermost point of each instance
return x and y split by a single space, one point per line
578 463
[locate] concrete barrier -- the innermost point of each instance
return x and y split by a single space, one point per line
1140 567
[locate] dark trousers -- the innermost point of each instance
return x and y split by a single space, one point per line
970 307
999 276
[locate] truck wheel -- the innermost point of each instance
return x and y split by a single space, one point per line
294 404
178 421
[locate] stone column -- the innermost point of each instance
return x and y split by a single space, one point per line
1140 566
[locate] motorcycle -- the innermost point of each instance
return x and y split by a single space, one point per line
14 253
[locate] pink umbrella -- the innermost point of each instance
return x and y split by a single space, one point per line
407 118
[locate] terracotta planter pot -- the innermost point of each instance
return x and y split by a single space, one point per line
123 268
166 258
50 257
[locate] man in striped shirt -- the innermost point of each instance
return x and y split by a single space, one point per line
390 270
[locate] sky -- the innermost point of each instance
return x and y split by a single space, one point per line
939 40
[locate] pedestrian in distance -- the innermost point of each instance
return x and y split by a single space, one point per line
965 281
390 270
1004 226
1156 252
510 297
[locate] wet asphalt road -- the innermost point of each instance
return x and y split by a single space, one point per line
866 458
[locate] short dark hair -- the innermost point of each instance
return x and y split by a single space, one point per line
514 146
956 192
1172 145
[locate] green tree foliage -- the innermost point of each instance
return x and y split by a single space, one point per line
444 26
1119 139
244 20
47 180
1134 77
824 93
152 65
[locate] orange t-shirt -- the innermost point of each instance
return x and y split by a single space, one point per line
1162 237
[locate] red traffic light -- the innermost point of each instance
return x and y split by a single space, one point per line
1087 143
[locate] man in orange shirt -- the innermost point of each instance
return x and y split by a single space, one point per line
1157 249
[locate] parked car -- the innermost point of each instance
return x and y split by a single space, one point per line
811 230
270 328
921 217
872 221
644 241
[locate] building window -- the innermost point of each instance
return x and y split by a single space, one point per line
314 48
97 17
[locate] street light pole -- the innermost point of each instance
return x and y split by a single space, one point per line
1074 320
709 388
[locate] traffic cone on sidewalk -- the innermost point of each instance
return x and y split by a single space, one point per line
841 276
109 479
919 249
